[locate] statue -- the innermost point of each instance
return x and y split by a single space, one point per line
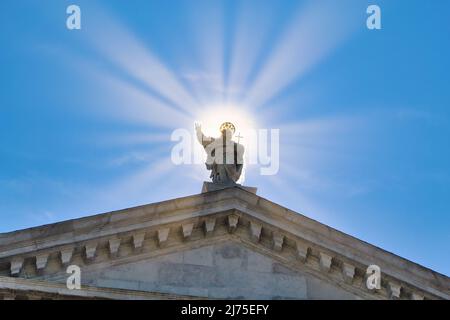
225 158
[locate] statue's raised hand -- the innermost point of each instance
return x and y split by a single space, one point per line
198 127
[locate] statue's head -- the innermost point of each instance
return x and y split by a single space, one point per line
227 129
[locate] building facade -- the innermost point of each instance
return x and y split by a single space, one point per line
221 244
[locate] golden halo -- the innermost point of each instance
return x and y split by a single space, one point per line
227 125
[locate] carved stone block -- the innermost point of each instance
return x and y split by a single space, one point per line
233 220
255 231
66 255
41 261
114 245
348 271
210 224
277 241
90 250
302 251
16 265
187 229
163 235
138 240
325 261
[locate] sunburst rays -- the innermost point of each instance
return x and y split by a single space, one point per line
147 90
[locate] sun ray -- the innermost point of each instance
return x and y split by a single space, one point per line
120 46
246 47
132 139
132 189
126 101
207 81
314 33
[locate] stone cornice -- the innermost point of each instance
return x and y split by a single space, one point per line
285 227
38 289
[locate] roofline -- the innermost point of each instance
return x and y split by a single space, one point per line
236 198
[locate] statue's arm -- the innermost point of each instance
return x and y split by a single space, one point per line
204 140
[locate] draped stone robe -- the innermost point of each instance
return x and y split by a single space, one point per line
225 158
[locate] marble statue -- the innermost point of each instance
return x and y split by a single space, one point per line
225 157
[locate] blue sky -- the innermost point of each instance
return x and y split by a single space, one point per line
86 115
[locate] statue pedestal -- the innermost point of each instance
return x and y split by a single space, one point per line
210 186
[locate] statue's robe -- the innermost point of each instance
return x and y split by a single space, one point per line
225 159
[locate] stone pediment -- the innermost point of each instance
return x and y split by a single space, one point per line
219 268
177 247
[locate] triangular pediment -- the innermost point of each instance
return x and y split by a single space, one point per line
225 269
128 249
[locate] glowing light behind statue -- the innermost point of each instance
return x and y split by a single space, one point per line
213 117
144 89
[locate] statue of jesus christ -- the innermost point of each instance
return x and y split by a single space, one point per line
225 158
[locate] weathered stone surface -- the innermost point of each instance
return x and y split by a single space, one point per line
186 229
16 265
114 245
225 270
394 290
163 235
9 296
258 262
277 241
318 290
210 224
233 220
302 251
417 296
209 187
66 255
41 261
138 240
325 261
348 271
90 250
255 231
200 256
